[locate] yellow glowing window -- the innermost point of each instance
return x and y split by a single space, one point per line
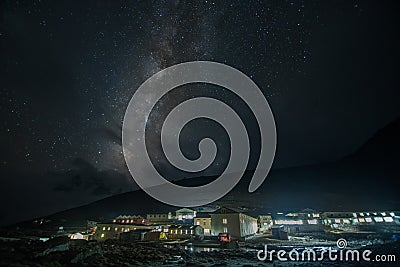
225 221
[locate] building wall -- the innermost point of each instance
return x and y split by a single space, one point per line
239 225
248 225
157 217
225 223
264 223
185 214
205 223
185 232
106 231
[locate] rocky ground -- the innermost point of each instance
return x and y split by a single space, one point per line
64 252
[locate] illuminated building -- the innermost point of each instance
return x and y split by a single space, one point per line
234 222
159 217
113 230
185 214
185 232
304 221
204 220
264 223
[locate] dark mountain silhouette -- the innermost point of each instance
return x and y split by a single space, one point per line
364 180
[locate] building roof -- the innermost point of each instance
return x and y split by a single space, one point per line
185 210
190 227
203 215
225 210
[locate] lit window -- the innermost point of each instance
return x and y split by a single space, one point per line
346 221
361 214
207 231
191 232
102 235
312 221
388 219
337 220
355 220
225 221
225 229
109 228
354 214
392 214
361 220
114 220
186 231
198 223
368 219
123 221
122 229
383 213
116 229
378 219
104 228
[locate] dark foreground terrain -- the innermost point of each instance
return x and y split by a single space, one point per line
64 252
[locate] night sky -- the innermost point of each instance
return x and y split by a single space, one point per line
68 69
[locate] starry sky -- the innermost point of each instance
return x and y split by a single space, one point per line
68 70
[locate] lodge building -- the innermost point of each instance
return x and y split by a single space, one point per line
234 222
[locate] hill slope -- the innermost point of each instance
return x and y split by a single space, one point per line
365 180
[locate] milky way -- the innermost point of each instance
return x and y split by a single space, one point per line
69 71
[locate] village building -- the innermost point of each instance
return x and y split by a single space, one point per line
304 221
279 232
185 232
159 217
185 214
234 222
264 223
133 219
362 221
204 220
79 236
106 231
